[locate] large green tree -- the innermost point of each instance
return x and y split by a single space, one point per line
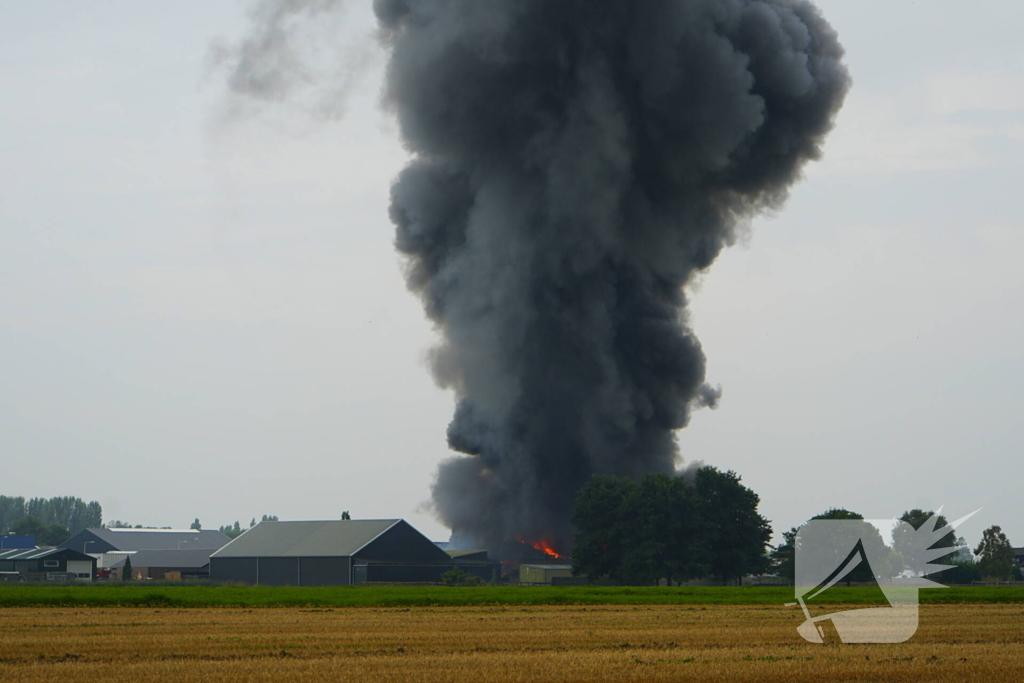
730 519
604 518
995 555
661 527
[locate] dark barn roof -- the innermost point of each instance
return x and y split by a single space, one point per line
370 539
107 540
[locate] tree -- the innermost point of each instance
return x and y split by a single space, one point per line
784 556
269 518
913 547
345 515
46 534
196 525
995 553
232 531
126 570
728 512
53 534
963 551
602 517
68 512
12 509
663 528
29 526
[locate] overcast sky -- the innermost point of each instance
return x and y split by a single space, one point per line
202 314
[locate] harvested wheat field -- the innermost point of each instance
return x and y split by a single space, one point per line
644 643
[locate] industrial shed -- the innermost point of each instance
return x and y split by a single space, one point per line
49 564
333 553
543 574
100 541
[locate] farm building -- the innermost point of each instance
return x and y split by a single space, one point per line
172 565
46 564
334 553
1018 556
543 574
99 541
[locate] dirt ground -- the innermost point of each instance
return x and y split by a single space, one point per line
481 644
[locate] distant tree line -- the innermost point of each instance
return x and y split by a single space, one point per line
235 530
51 520
993 559
118 524
664 528
230 530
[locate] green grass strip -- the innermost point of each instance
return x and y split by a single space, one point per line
156 595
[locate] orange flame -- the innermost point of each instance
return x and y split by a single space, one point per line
545 547
542 546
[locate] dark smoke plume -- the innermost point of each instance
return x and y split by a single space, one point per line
577 162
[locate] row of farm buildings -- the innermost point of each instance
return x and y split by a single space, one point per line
301 553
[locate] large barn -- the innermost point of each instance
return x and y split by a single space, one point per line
334 553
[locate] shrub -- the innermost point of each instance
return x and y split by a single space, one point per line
457 577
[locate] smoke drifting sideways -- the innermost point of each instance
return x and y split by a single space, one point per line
303 53
576 163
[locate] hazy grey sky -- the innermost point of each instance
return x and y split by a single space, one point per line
204 316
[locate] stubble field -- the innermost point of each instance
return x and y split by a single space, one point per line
983 642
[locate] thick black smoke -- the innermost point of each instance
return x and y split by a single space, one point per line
576 163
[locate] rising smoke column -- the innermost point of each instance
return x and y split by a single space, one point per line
576 163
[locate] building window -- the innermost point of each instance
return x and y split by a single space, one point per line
51 563
83 576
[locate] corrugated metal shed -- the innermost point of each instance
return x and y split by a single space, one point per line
331 553
334 538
